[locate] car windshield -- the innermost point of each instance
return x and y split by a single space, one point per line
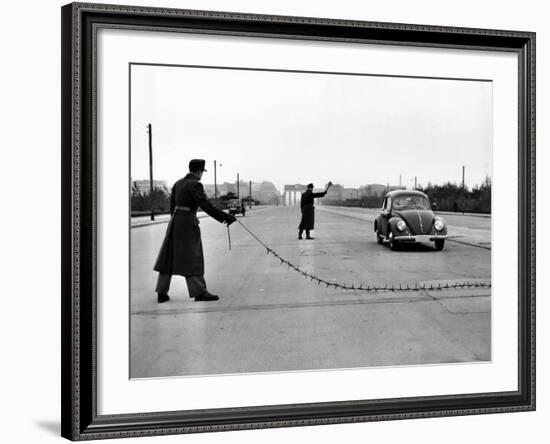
411 203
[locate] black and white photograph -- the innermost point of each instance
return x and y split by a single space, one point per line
275 222
292 220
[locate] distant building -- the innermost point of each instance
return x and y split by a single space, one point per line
256 187
265 192
209 189
227 187
293 194
374 189
350 193
223 189
396 187
142 187
335 193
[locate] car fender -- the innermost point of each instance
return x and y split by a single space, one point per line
444 232
393 226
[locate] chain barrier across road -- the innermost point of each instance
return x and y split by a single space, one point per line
362 287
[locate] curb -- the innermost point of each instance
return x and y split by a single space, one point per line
156 222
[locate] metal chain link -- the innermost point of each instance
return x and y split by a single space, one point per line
362 287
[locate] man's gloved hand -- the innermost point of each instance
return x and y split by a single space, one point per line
229 219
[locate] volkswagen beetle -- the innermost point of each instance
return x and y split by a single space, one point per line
407 217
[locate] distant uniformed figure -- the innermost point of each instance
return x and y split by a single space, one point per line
181 250
243 207
308 210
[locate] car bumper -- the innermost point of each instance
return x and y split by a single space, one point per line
420 238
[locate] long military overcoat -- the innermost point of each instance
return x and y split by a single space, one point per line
181 251
308 210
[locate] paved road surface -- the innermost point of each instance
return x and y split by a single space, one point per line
270 318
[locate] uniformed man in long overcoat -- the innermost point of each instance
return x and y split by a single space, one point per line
308 210
181 251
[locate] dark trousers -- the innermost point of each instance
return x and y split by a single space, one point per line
301 231
196 285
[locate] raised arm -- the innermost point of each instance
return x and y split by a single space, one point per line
323 193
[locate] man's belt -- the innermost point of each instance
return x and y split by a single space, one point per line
182 208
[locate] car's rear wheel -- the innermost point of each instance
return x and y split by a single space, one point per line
394 245
439 244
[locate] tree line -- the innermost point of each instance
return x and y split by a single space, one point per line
159 200
447 197
141 203
452 197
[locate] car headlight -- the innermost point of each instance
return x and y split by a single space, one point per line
439 224
401 225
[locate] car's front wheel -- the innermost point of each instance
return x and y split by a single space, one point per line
379 238
439 244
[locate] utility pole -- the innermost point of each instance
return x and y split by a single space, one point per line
215 184
249 194
415 182
400 181
150 131
238 193
463 188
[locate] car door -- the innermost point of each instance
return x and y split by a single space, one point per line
385 216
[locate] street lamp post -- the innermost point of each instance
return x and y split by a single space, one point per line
150 131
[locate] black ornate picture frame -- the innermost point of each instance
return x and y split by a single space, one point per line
80 418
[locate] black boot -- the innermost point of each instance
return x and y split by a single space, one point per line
206 297
162 297
300 234
308 236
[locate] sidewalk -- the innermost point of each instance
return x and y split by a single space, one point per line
144 221
459 213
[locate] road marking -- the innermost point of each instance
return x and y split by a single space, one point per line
469 243
420 297
365 217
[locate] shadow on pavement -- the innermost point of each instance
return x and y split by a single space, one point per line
54 427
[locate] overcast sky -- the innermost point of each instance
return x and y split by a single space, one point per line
290 128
